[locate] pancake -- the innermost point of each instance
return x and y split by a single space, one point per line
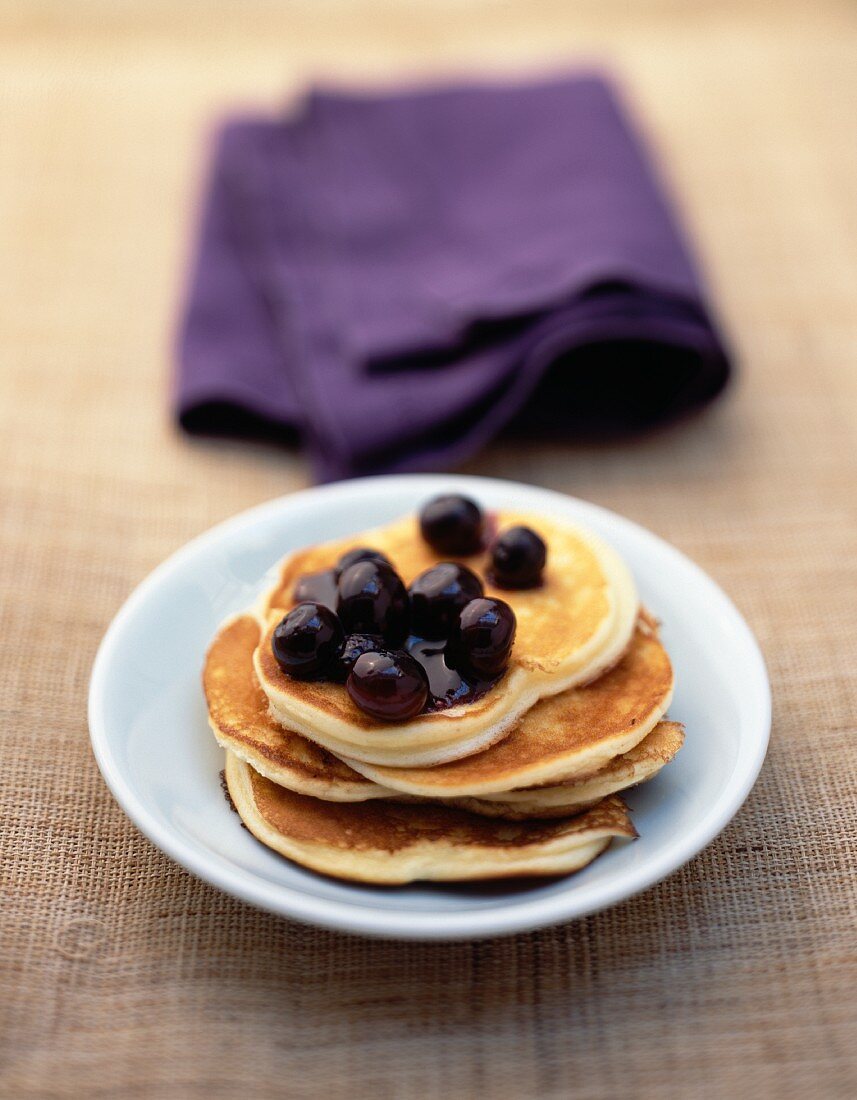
636 766
594 724
389 843
239 718
570 630
565 736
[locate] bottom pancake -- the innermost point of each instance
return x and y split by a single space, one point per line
391 843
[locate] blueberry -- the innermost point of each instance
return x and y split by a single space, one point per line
355 646
518 557
481 641
390 686
307 641
438 597
373 600
452 525
360 553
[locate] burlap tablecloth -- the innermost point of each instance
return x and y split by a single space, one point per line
122 976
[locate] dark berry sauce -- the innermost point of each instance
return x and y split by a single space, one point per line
447 687
317 588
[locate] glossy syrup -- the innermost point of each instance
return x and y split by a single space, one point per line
317 587
447 688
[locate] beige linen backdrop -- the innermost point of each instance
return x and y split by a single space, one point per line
120 975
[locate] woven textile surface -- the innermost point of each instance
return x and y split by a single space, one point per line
120 975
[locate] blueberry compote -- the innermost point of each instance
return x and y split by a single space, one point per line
447 686
518 558
388 686
438 600
317 588
439 595
482 639
308 641
373 600
323 587
453 524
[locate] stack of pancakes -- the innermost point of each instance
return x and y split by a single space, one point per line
521 781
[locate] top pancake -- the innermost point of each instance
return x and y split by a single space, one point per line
570 630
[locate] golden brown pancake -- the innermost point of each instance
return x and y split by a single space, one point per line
238 715
616 713
565 736
634 767
388 842
572 628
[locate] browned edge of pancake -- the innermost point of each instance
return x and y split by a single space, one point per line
238 712
389 843
637 766
576 732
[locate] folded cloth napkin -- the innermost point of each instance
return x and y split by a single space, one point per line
398 277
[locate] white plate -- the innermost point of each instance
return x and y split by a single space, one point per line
148 724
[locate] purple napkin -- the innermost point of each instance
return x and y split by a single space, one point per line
396 278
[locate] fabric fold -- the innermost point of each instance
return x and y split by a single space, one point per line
399 277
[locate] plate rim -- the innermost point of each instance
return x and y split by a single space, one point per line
356 916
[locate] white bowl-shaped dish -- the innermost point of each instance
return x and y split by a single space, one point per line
150 734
